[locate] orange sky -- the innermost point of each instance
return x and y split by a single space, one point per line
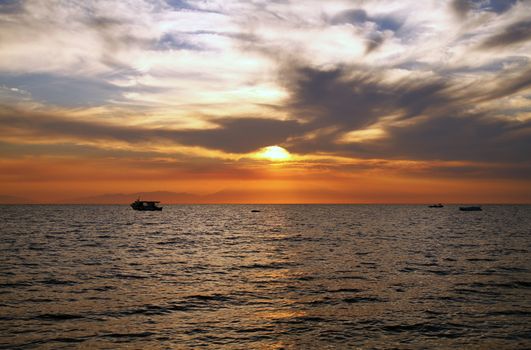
46 180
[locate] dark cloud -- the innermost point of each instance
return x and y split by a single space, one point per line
111 31
463 7
493 66
356 98
511 82
328 97
11 6
242 135
435 118
388 23
18 150
417 97
232 135
515 33
463 137
103 22
374 42
352 16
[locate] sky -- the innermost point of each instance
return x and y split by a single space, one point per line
279 101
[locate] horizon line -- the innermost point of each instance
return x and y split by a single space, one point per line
276 203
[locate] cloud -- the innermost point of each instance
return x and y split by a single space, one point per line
360 16
11 6
352 16
463 137
174 42
179 4
356 97
431 118
515 33
240 135
461 7
24 150
373 26
374 42
65 90
414 76
504 83
497 6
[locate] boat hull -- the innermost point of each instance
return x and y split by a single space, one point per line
470 208
147 209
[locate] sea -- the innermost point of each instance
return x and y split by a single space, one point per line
285 277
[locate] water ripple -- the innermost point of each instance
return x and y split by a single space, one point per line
292 277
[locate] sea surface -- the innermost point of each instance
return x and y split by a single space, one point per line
287 277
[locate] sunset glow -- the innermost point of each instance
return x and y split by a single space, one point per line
274 153
210 101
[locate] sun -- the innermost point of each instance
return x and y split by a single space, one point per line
274 153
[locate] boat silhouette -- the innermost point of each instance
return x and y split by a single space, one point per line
145 205
475 208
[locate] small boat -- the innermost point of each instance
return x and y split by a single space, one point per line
470 208
436 206
145 205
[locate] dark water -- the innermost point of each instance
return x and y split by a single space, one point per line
290 276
